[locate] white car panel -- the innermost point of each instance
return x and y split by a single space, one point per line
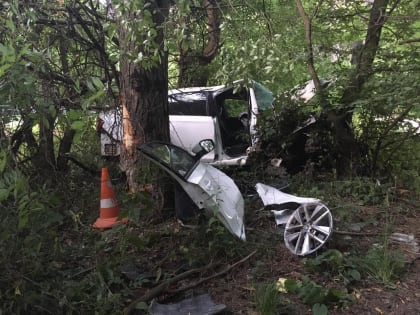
272 196
187 131
208 187
224 197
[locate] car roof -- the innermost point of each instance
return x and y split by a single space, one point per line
196 89
205 88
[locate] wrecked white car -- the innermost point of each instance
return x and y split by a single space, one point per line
225 114
307 222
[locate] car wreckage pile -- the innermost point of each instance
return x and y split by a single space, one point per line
307 222
226 117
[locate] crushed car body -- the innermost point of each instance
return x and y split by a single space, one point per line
307 222
226 114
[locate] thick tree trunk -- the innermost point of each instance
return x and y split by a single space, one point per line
144 95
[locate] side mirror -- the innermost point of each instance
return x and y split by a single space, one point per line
203 147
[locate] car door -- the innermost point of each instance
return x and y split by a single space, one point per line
208 187
187 130
190 119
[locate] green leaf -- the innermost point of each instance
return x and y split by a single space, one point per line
354 274
3 161
97 83
142 306
74 114
78 125
291 285
319 309
4 68
10 25
4 193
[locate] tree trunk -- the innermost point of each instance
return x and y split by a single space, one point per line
64 148
346 150
144 93
193 64
45 157
349 152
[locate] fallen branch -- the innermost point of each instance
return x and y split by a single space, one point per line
218 274
164 286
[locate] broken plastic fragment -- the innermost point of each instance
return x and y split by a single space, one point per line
201 304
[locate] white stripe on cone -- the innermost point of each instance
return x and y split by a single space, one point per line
108 203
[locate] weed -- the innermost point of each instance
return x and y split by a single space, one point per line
383 265
267 299
218 240
315 295
337 265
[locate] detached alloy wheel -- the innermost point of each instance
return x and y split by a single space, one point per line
308 229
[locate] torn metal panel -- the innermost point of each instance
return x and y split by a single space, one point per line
307 223
208 187
272 196
282 216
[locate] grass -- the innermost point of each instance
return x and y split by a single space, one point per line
267 299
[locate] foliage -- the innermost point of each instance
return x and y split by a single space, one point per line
380 263
285 135
315 295
337 264
383 265
51 260
47 86
267 299
366 191
218 240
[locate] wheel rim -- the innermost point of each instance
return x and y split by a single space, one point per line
308 229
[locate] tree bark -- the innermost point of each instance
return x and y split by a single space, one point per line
144 92
64 148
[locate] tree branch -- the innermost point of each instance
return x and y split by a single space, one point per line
164 286
309 50
218 274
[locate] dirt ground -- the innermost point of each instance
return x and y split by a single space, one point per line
272 260
236 290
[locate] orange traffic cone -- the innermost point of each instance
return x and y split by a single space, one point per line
109 211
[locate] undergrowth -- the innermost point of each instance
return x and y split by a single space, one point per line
53 262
